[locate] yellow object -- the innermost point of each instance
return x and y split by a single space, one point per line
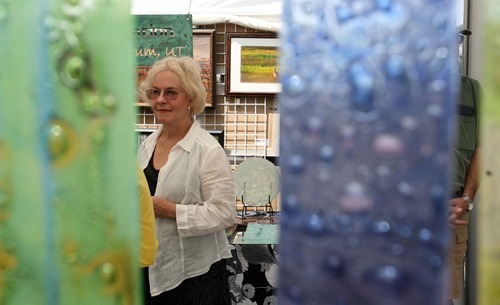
148 242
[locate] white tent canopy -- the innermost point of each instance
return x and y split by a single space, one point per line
258 14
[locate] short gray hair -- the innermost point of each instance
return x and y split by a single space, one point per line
188 71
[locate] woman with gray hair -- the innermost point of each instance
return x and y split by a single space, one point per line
192 188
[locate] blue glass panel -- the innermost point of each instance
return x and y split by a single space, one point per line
367 107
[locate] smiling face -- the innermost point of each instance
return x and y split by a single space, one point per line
167 99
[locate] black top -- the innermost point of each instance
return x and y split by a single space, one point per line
151 174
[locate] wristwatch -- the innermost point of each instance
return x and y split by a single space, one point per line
470 204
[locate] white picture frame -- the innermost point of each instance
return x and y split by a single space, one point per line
243 52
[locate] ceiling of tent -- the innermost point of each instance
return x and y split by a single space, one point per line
259 14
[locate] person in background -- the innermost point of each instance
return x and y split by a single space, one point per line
191 182
465 181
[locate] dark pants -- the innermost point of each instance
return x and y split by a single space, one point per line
211 288
145 286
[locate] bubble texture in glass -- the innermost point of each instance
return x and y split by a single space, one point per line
367 107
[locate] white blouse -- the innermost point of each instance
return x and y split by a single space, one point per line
197 177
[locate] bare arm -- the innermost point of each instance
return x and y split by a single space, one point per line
459 205
472 177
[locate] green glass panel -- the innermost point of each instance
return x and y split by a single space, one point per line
23 251
68 188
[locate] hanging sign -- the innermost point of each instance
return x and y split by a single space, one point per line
160 36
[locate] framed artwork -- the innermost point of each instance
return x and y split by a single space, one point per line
142 73
203 53
252 64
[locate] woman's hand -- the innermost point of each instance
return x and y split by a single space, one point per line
163 208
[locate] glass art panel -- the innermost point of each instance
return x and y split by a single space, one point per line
69 224
367 108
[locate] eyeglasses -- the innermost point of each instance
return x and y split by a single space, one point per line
168 94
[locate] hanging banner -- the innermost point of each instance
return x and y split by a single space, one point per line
160 36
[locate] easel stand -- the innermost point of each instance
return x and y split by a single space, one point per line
268 208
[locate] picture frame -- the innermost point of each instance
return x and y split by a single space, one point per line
252 64
203 53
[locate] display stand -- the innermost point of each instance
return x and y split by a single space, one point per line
257 185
